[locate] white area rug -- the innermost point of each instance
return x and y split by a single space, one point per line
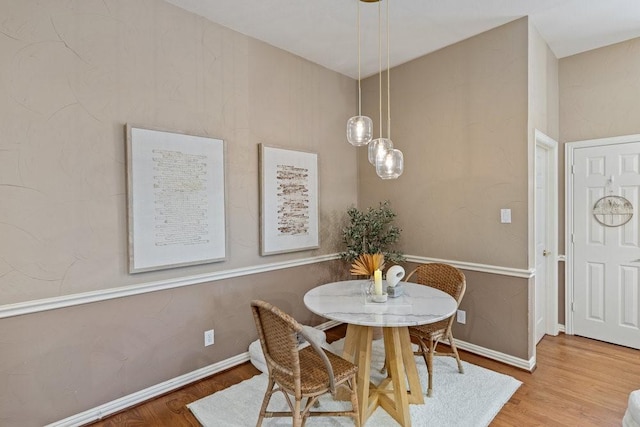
470 399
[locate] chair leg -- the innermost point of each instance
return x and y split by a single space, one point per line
305 410
385 367
423 350
354 401
430 367
298 419
265 402
452 344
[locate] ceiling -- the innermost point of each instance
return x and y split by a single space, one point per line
325 31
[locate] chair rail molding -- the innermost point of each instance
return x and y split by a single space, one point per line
482 268
63 301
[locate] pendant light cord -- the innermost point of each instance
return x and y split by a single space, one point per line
388 79
359 88
380 62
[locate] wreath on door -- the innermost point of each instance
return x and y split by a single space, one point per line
613 211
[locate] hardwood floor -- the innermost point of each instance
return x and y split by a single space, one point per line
578 382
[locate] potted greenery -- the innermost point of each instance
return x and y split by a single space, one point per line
371 232
369 238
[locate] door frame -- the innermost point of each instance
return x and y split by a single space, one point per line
570 148
550 147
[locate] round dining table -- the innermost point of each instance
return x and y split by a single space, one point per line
351 302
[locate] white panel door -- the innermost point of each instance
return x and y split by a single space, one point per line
606 264
541 243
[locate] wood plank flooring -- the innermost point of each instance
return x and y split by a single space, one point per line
578 382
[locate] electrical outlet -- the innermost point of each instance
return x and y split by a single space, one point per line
461 316
208 337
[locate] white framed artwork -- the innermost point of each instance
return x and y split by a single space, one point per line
175 199
288 200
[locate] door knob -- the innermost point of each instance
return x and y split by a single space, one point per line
545 252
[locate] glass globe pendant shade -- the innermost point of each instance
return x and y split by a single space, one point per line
379 147
359 130
390 165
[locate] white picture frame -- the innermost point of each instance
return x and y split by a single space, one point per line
288 200
175 199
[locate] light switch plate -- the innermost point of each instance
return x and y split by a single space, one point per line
505 216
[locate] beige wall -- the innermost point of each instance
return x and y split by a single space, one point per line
543 87
599 92
460 116
72 74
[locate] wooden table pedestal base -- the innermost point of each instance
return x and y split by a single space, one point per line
391 394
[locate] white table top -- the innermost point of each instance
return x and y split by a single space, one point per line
347 302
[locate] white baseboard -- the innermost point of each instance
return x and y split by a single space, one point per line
133 399
527 365
123 403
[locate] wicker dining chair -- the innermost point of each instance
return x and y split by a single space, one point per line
452 281
299 374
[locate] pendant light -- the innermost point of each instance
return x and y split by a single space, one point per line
379 146
390 165
359 128
389 162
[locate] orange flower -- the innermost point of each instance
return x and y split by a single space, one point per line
367 264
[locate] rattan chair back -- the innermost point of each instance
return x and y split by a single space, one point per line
299 373
444 277
278 333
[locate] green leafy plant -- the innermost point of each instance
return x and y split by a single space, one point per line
371 231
